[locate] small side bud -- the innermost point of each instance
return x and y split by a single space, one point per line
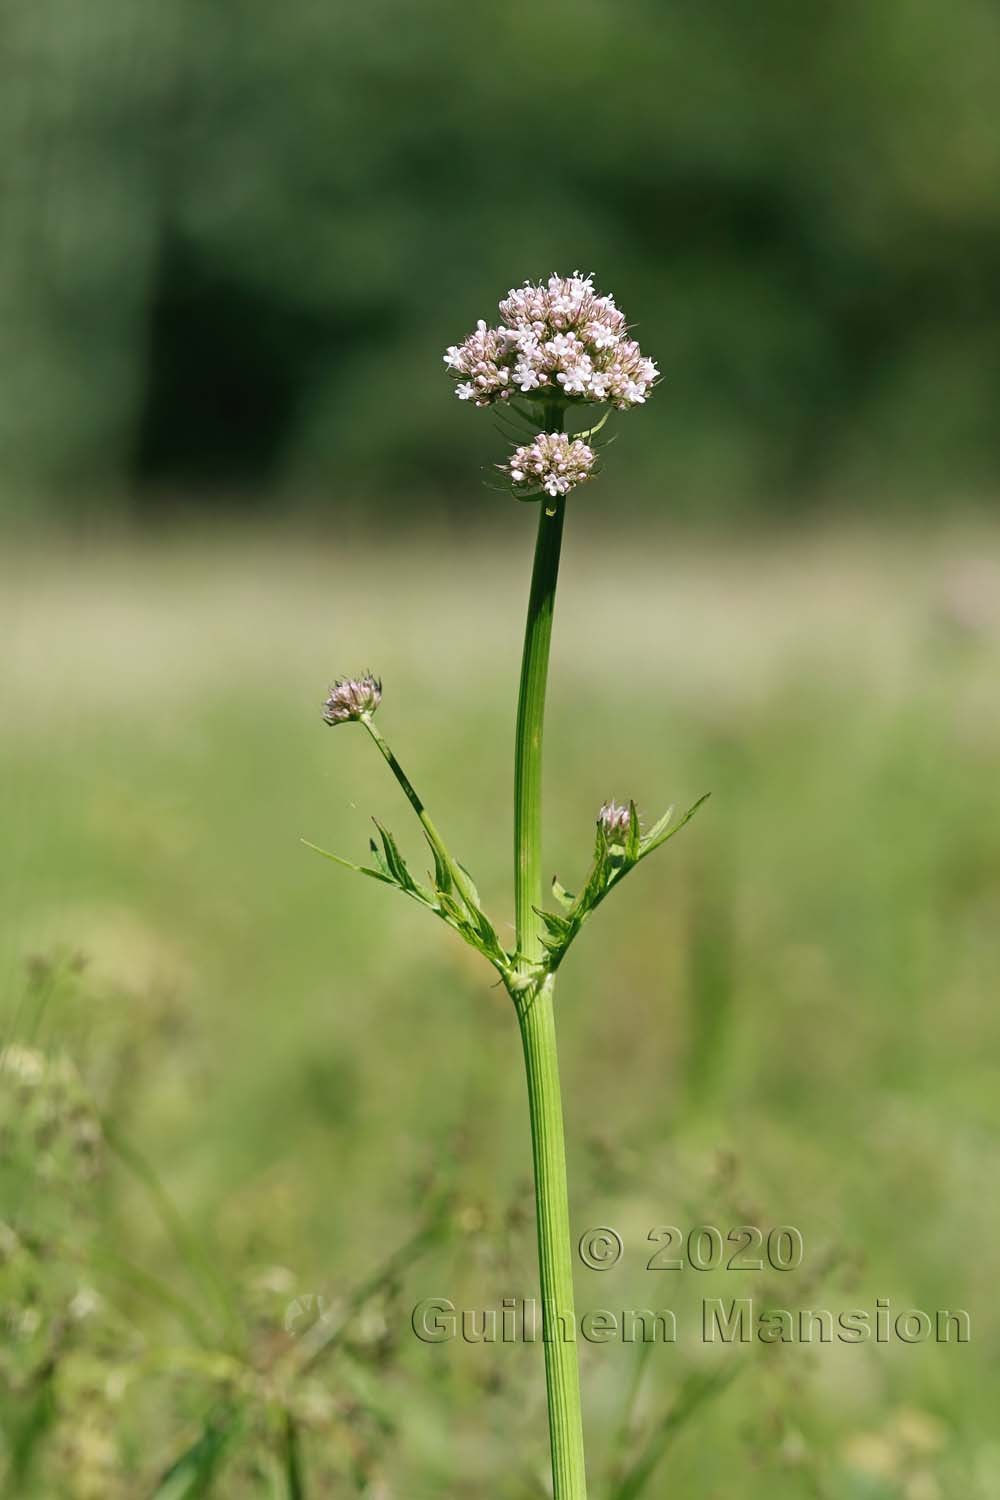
615 822
352 698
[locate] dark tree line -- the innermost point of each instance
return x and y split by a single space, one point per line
238 236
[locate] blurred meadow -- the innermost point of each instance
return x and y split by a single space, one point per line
254 1110
790 1023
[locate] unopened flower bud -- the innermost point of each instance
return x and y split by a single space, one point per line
352 698
615 821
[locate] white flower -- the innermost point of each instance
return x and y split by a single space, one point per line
600 335
465 392
563 345
577 379
553 462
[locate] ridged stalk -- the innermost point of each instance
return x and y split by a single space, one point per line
537 1021
528 892
555 1265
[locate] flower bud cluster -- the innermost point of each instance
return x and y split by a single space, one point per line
553 462
351 698
560 340
614 819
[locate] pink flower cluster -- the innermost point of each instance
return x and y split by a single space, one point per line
352 698
560 340
553 462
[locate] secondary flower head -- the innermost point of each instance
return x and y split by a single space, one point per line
560 340
615 821
553 462
351 698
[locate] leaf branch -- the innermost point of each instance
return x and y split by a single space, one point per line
612 861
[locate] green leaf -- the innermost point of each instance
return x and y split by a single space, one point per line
349 864
659 827
459 911
634 835
475 927
442 875
555 927
487 934
395 862
661 832
532 418
515 425
451 910
597 880
563 896
473 892
379 858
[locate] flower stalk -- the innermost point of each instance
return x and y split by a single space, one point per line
528 890
536 1016
461 881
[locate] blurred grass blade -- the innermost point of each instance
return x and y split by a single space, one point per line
322 1338
187 1244
194 1472
619 1446
156 1290
26 1424
295 1482
696 1391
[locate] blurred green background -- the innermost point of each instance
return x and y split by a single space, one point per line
238 236
248 1101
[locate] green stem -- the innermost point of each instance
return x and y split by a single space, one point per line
528 891
555 1263
537 1021
437 843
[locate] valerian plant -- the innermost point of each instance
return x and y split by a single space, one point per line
559 347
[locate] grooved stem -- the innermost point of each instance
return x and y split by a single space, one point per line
537 1019
555 1264
528 891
